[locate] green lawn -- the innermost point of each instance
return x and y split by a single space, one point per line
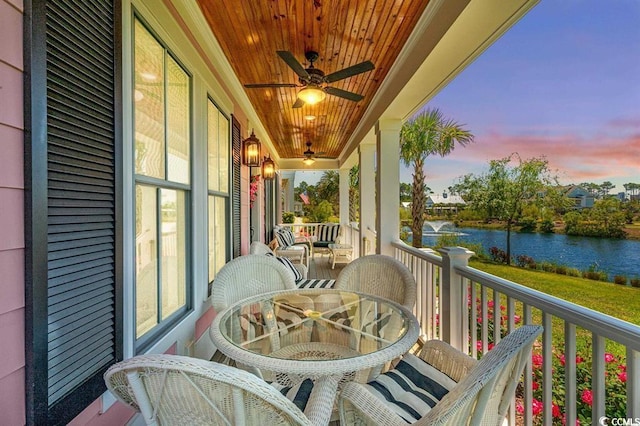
612 299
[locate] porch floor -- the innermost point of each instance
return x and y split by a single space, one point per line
320 267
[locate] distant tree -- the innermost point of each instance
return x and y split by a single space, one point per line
631 209
425 134
632 189
592 188
505 189
405 192
322 212
606 219
354 193
609 217
605 188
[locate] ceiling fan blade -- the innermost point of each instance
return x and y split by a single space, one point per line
349 71
260 85
293 64
298 103
344 94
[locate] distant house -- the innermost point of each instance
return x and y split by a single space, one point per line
439 203
581 198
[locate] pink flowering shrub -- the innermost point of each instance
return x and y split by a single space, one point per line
253 189
615 379
504 321
615 376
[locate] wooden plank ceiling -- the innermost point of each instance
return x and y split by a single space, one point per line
343 32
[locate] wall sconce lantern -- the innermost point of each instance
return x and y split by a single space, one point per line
268 168
251 151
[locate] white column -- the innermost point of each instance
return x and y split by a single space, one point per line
344 196
290 195
453 298
388 184
367 195
287 187
277 188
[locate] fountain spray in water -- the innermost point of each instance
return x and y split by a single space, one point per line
436 225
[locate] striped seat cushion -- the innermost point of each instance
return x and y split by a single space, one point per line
298 394
412 388
314 283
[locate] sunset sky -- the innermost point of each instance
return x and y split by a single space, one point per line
563 83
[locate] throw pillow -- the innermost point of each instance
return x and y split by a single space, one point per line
287 263
285 238
328 232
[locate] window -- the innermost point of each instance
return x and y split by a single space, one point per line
162 185
218 188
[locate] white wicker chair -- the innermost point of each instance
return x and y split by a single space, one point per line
243 277
379 275
247 276
481 397
178 390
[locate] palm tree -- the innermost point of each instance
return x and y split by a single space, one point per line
328 188
425 134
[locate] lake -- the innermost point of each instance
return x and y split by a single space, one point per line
616 257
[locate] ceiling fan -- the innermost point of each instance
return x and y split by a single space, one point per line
310 156
313 80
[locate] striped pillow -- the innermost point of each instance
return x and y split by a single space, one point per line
297 276
412 388
285 238
328 232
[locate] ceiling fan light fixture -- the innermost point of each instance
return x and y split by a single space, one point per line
308 161
309 117
311 95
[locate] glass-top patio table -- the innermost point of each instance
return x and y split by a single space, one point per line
328 335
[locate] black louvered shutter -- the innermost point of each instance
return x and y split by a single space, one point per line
79 323
236 148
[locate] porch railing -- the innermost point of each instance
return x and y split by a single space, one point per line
472 310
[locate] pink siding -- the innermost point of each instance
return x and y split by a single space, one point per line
11 160
204 322
10 25
118 414
11 78
12 389
12 399
173 349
